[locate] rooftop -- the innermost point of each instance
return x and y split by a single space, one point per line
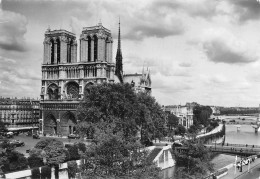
50 32
99 26
153 154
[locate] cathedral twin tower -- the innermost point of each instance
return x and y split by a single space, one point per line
66 76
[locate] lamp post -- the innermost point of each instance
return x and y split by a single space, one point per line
215 143
189 164
41 123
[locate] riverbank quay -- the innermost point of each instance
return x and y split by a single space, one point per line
247 171
214 131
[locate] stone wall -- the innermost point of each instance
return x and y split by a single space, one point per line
63 172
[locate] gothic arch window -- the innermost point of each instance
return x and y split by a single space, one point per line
69 51
95 47
106 46
73 90
58 50
89 48
53 91
52 51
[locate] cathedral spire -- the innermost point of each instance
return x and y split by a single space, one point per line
119 38
119 58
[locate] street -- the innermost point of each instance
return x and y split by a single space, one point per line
30 142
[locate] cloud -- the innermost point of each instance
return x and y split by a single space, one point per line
76 25
17 79
165 67
149 28
169 84
221 46
185 64
246 9
57 11
216 80
12 31
198 8
144 21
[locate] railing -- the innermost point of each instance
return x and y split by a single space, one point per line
242 145
246 151
234 151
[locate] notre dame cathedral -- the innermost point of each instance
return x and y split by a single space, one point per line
66 78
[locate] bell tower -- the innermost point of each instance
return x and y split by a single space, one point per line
66 78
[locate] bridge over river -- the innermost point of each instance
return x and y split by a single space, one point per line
232 149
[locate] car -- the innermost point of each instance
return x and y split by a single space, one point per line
9 134
73 136
16 143
177 144
36 136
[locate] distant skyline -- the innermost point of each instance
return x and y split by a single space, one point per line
198 50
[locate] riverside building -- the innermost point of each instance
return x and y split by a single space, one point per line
183 112
19 114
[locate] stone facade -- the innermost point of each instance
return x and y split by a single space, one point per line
19 114
140 82
184 113
66 78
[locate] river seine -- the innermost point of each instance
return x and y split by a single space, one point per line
246 135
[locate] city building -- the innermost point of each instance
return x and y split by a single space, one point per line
20 114
183 112
215 110
66 78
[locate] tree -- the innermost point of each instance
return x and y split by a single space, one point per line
35 158
53 150
172 121
118 119
150 118
11 160
193 129
195 162
214 123
120 105
180 130
73 152
113 157
2 127
201 115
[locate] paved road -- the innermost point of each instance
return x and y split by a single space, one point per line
30 142
217 129
252 174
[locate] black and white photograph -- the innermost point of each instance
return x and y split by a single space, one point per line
129 89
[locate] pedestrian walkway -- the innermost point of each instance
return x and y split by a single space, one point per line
214 131
234 173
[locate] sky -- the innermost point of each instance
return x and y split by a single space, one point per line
206 51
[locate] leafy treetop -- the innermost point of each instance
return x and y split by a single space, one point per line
129 111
